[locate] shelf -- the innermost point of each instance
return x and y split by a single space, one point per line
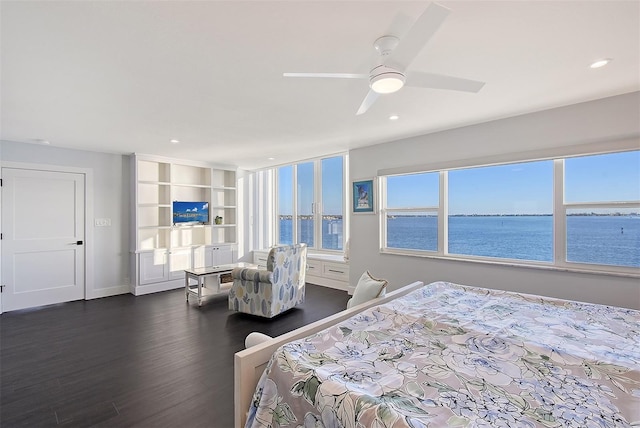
156 183
165 248
152 250
148 205
223 178
188 175
201 186
149 171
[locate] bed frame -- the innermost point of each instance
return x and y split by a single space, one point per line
250 363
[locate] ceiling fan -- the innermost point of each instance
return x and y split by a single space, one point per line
394 57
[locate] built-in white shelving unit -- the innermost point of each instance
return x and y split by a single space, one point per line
163 249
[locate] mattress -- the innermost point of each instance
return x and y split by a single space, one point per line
460 356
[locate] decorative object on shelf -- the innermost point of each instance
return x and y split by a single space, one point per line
363 196
218 220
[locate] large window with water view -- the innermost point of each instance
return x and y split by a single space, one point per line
305 221
602 209
502 211
310 203
285 204
507 211
333 185
411 214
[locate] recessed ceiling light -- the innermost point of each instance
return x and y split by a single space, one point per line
600 63
270 158
174 141
394 117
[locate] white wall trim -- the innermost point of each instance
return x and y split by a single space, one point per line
108 292
619 145
173 284
88 220
203 164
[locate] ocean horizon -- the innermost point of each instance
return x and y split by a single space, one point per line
591 238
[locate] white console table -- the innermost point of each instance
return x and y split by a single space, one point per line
201 289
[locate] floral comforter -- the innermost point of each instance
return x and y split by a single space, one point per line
456 356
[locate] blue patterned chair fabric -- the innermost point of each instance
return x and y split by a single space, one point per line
269 292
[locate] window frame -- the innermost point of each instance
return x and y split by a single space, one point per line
438 209
559 212
317 208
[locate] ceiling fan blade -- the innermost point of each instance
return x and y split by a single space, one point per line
367 102
329 75
441 81
418 36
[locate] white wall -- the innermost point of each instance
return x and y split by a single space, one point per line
111 199
609 119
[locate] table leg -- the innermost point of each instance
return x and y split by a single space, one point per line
200 281
186 285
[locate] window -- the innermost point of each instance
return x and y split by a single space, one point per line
601 196
564 212
285 205
305 221
316 190
502 211
332 202
411 214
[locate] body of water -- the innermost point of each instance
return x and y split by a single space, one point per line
331 233
609 240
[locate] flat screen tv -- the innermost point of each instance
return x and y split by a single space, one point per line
190 212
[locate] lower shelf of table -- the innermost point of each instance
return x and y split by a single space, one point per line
211 291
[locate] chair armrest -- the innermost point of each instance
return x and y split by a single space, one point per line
255 275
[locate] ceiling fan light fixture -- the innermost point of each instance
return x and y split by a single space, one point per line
387 83
600 63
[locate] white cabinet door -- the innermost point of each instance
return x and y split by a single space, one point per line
179 260
154 267
222 255
203 256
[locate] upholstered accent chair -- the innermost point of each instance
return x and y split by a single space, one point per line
270 292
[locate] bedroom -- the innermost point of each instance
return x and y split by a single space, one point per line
539 129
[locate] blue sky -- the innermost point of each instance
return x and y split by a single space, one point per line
523 188
332 195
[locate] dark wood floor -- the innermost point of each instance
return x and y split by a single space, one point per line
125 361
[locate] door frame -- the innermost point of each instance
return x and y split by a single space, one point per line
88 216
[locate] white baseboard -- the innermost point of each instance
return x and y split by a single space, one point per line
106 292
140 290
327 282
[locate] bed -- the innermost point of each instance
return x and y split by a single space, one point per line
449 355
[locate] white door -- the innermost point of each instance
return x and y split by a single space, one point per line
43 226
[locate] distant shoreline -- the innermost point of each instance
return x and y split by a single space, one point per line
339 217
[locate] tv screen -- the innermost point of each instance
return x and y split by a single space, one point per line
190 212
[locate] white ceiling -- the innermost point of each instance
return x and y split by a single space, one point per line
129 76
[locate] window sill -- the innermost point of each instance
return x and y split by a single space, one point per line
628 272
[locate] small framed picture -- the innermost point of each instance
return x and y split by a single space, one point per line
363 196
